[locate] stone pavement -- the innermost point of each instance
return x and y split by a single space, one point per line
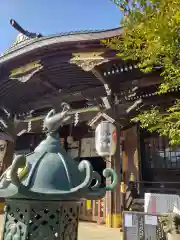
90 231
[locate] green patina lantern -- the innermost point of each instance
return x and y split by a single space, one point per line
43 189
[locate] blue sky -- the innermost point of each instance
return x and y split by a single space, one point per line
55 16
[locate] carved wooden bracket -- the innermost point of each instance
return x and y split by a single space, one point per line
26 72
88 60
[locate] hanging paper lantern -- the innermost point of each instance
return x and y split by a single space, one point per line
106 139
70 140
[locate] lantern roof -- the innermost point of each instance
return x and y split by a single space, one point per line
49 173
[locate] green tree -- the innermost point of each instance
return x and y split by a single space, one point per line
151 36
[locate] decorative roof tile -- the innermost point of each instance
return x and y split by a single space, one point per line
20 41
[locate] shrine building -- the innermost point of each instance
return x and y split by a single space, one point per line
38 73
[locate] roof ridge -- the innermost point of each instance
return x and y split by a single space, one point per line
83 31
23 40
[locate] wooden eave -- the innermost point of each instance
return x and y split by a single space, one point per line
58 80
64 39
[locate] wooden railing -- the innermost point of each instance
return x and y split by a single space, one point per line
137 189
158 187
130 195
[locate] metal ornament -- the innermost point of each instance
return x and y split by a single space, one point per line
88 60
76 118
42 199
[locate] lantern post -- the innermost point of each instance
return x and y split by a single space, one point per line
43 189
107 141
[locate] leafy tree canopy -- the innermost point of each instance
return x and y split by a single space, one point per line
151 36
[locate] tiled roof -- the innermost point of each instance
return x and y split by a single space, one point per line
22 40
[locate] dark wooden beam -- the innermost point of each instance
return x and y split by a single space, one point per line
46 82
58 96
102 79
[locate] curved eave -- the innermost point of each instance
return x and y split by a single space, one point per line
72 38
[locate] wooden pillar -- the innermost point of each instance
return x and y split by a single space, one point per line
124 176
131 154
113 199
108 198
116 204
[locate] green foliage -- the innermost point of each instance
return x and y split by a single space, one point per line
166 124
151 36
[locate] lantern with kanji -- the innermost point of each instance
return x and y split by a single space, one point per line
106 139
